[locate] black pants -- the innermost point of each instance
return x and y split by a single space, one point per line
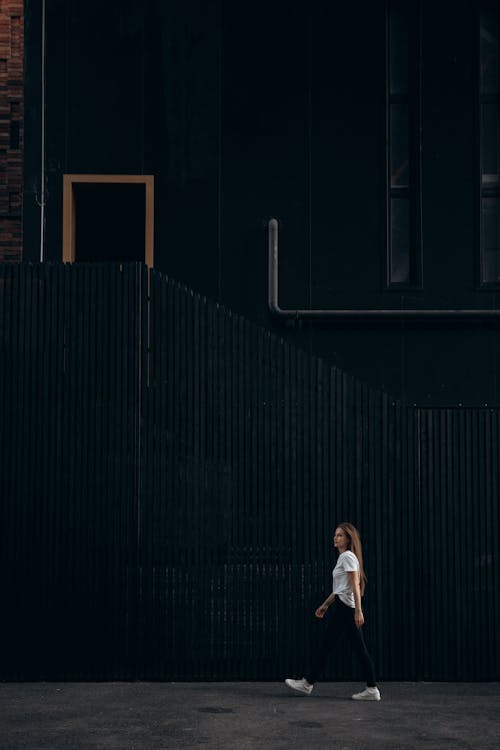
341 620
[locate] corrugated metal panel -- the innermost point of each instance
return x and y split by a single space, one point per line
68 479
171 478
460 542
267 450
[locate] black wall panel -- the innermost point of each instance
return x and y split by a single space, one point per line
243 112
460 525
69 487
171 477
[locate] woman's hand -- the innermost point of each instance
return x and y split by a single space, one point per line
320 612
358 612
358 618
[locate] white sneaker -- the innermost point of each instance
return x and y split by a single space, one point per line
369 694
301 685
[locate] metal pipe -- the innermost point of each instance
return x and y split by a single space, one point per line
280 312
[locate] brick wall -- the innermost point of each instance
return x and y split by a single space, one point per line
11 128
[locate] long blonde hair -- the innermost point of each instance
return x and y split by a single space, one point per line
355 547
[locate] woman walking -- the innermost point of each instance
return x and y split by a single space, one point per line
346 616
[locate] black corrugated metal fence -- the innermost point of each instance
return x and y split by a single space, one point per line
171 476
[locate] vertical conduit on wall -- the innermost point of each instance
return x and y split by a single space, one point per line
42 199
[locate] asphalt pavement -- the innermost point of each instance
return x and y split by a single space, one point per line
161 716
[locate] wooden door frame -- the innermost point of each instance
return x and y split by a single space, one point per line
69 209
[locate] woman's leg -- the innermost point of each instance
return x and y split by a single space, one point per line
336 625
359 645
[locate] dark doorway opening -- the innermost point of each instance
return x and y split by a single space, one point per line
109 222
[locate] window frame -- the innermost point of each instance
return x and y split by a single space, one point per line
69 209
413 192
488 190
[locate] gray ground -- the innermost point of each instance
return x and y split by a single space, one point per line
153 716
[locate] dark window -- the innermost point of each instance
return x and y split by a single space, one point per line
403 146
109 222
490 211
400 270
489 138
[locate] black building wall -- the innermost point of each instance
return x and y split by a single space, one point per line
243 112
170 476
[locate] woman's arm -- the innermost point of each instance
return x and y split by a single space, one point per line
358 612
320 612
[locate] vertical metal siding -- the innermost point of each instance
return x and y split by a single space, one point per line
460 542
171 478
69 375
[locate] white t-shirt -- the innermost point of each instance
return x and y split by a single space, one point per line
342 587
